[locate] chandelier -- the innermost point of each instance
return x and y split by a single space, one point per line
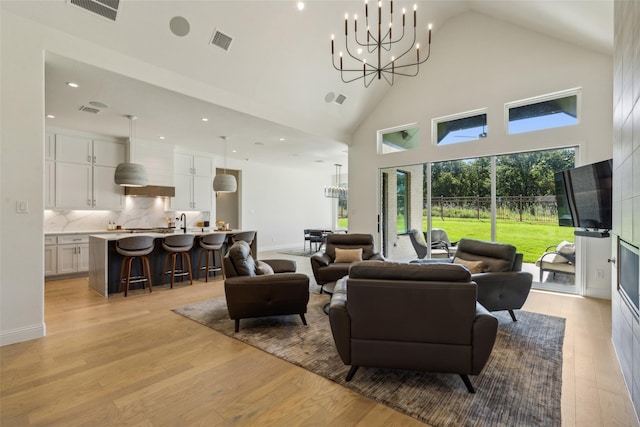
336 191
373 45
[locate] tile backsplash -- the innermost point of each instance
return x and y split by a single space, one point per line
139 212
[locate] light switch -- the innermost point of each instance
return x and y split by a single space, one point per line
22 206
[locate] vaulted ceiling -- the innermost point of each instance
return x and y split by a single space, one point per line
272 92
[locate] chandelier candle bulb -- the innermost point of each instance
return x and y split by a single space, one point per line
429 33
355 23
415 6
403 12
331 44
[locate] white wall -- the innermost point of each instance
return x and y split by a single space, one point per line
274 203
481 62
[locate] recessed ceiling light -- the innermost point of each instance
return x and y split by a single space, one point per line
161 137
179 26
204 119
50 116
300 5
234 151
281 139
72 84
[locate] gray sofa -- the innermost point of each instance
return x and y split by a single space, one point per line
411 316
251 292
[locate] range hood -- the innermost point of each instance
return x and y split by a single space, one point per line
150 191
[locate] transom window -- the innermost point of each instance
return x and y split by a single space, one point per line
544 112
463 127
398 139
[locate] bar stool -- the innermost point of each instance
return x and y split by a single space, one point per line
247 236
211 244
131 248
178 244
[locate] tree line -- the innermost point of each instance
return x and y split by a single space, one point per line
530 174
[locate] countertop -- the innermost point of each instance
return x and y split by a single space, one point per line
194 231
190 230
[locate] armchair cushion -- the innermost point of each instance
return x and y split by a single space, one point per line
348 255
473 266
263 269
240 256
498 257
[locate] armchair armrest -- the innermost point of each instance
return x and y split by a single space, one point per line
319 260
341 321
485 329
281 265
503 291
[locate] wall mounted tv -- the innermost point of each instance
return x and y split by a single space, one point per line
584 196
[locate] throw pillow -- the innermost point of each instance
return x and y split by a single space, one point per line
263 269
566 248
348 255
473 266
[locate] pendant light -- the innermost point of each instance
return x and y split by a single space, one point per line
224 183
131 174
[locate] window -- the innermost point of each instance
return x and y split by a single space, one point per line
402 200
469 126
545 112
398 139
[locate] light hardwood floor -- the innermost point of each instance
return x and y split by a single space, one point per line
133 362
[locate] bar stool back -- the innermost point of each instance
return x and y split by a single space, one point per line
135 247
211 244
178 244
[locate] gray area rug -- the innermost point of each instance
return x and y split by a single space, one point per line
520 385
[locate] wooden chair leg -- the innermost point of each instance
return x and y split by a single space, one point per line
126 288
187 255
148 268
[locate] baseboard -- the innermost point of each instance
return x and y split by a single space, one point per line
598 293
23 334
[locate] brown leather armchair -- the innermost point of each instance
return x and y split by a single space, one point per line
502 285
326 270
262 288
411 316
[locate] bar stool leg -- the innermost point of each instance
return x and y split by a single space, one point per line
187 255
148 267
126 288
206 271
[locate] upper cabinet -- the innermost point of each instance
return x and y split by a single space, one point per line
83 171
193 180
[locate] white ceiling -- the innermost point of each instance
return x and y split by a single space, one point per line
273 81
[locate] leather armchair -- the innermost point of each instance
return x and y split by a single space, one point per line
502 285
326 270
411 316
252 293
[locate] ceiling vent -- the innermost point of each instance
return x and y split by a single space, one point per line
91 110
105 8
222 40
340 99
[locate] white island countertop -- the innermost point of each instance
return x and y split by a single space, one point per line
119 234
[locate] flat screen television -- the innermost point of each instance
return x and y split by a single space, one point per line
584 196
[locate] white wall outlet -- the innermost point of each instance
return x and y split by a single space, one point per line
22 206
599 273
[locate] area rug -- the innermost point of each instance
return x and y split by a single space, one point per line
296 252
520 385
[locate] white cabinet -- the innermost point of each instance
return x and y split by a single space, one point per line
49 184
84 170
73 254
50 256
193 181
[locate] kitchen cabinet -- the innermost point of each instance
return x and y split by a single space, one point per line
50 256
84 170
49 184
72 254
193 181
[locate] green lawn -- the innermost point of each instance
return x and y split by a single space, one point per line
530 238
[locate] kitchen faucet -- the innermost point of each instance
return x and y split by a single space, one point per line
183 220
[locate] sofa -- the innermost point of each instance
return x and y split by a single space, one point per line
262 288
341 250
411 316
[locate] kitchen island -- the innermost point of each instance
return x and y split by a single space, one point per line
105 262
